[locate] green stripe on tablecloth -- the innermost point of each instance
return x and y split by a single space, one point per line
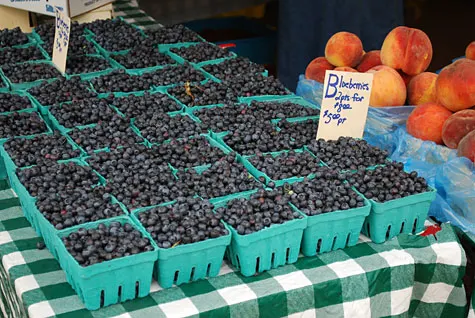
9 213
14 224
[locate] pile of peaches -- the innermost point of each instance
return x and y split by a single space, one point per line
445 102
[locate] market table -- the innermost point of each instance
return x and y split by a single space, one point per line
410 275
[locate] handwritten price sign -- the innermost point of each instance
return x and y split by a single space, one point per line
61 40
344 105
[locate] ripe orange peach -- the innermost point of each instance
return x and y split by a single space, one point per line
421 89
466 146
388 87
470 51
426 122
316 69
344 49
369 60
455 85
407 49
345 69
458 126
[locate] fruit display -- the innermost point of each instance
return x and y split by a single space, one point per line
185 222
400 78
149 154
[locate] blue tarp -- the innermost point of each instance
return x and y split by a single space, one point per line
452 176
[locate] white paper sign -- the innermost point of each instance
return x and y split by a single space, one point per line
61 40
344 104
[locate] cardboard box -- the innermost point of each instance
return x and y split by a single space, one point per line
72 8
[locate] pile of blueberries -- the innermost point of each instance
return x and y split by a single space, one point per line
21 124
83 112
225 118
388 182
12 37
201 52
348 153
12 55
106 242
61 90
115 35
27 152
146 104
261 210
231 67
187 221
143 56
172 34
86 64
29 72
280 110
285 165
13 102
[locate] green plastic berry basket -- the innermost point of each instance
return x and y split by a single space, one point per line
33 106
28 85
266 98
266 249
28 45
334 230
190 262
110 282
246 160
405 215
292 99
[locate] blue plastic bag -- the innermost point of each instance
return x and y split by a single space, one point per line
452 176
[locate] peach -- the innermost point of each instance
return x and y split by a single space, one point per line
369 60
344 49
466 146
470 51
388 87
457 126
317 68
421 89
407 49
426 121
345 69
455 85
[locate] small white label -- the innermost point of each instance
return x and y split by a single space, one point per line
344 105
61 40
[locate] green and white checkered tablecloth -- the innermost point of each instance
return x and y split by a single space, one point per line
132 14
410 276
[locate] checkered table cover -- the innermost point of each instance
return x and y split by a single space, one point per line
131 13
408 276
